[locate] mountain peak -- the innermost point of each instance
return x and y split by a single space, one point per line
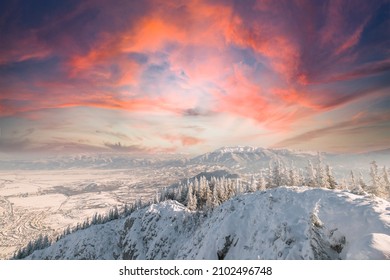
237 149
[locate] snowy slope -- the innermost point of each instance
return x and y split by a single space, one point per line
282 223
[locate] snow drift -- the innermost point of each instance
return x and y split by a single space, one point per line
281 223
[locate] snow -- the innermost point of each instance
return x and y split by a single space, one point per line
39 201
48 201
281 223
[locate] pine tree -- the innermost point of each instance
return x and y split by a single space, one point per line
320 176
330 181
238 189
386 183
284 176
253 184
214 197
262 184
375 183
178 193
229 188
386 176
361 182
310 175
301 178
355 186
277 175
293 177
269 181
209 197
191 199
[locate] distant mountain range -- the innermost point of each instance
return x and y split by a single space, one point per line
238 158
251 158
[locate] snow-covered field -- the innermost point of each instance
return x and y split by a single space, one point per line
281 223
47 201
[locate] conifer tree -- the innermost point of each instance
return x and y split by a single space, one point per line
355 186
253 184
310 175
293 177
386 183
361 182
262 183
238 189
191 199
375 182
277 174
320 176
330 181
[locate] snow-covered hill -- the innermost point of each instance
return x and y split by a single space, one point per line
281 223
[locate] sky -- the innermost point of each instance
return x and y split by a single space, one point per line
190 76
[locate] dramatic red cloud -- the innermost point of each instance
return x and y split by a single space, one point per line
99 100
279 50
293 96
273 62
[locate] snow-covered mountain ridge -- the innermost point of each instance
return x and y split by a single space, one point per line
280 223
244 158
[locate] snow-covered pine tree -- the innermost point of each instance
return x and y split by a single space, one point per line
310 175
202 190
261 186
221 186
229 188
320 176
343 185
214 197
196 184
375 180
156 198
276 179
179 192
284 176
209 200
354 185
293 179
252 184
385 182
330 181
301 177
269 175
238 187
191 199
361 182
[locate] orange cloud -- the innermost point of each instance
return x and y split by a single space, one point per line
295 97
